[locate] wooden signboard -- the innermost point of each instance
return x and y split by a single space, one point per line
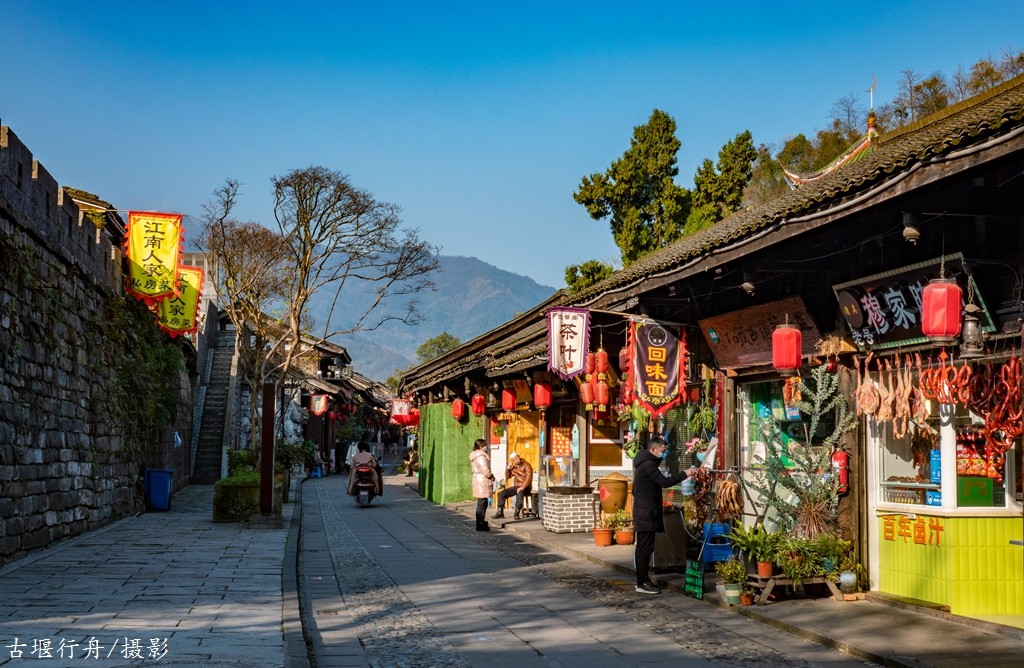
744 338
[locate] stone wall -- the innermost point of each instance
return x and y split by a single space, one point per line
64 464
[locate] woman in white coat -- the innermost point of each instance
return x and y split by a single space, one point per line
483 480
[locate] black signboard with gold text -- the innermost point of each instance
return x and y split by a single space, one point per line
884 310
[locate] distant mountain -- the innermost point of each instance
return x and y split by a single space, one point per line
472 298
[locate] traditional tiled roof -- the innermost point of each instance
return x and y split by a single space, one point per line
522 341
973 121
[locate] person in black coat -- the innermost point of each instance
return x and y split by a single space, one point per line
648 518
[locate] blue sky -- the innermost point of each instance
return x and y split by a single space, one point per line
479 119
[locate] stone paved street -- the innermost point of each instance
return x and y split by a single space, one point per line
416 585
186 591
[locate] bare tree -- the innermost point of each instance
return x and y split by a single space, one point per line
329 233
905 101
250 275
849 114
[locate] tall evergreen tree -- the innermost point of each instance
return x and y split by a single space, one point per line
718 189
646 207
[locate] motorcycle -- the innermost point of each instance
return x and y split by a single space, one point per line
365 487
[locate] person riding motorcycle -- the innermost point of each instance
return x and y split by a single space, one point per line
364 458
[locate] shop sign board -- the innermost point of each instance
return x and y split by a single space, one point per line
884 310
916 529
744 338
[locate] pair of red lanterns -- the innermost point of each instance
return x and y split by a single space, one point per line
596 394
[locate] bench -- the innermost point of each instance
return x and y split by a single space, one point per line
766 585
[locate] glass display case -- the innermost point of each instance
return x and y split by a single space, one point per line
559 471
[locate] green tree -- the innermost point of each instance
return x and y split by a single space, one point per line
578 277
718 189
647 209
436 346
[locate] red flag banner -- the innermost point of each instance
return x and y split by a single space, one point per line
568 340
152 249
179 314
659 364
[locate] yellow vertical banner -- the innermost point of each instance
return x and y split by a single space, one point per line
178 314
153 247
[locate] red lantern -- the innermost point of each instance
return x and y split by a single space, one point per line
787 348
478 404
508 400
601 361
458 409
625 361
587 394
414 418
542 395
588 367
601 395
626 390
940 310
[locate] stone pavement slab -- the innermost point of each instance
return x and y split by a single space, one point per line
162 588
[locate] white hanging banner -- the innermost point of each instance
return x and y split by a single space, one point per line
568 340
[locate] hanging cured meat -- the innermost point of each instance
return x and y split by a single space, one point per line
866 394
885 394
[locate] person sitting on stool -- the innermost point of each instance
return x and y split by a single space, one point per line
522 476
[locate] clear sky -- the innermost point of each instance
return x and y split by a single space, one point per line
479 119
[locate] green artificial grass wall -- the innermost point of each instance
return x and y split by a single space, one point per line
444 446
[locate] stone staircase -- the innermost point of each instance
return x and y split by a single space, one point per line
207 468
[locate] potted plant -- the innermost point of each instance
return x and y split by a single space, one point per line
621 524
849 568
757 545
747 595
734 575
827 548
603 531
797 558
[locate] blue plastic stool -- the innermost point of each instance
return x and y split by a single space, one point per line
317 472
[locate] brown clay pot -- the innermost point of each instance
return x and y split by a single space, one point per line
764 569
624 537
746 599
602 537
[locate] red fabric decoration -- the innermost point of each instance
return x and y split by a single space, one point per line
542 395
940 310
601 395
587 394
787 348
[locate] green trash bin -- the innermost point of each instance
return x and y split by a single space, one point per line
158 484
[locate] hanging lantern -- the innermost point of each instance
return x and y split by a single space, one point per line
542 395
508 400
973 343
601 361
458 409
601 395
787 348
588 367
587 394
626 389
478 404
940 310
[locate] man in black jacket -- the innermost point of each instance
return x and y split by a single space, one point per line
648 482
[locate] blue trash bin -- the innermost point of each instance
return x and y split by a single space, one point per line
158 487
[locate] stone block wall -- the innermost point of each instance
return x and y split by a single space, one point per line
64 468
